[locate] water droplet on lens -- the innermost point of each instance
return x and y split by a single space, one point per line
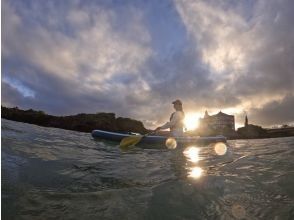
220 148
171 143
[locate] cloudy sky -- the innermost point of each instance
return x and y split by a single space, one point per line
134 57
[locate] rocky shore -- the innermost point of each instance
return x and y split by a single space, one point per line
79 122
108 122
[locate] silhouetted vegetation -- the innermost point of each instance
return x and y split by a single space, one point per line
80 122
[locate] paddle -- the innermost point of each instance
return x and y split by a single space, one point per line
132 140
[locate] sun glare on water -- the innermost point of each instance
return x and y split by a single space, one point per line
196 172
192 154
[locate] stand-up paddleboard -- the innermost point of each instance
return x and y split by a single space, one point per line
153 139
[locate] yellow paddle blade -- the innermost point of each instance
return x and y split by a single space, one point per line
130 141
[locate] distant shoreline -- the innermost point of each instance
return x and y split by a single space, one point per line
108 122
80 122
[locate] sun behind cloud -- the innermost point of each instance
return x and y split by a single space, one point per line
191 121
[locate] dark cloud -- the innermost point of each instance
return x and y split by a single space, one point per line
274 113
270 57
11 97
135 57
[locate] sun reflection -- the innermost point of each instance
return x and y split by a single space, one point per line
196 172
220 148
171 143
192 153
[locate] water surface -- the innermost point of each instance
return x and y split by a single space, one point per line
50 173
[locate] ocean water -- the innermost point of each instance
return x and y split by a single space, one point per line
50 173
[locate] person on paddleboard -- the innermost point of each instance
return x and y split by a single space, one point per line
176 123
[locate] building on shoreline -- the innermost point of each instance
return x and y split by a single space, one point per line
220 122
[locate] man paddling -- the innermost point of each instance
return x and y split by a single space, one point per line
176 123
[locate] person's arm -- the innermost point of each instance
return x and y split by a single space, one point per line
176 117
